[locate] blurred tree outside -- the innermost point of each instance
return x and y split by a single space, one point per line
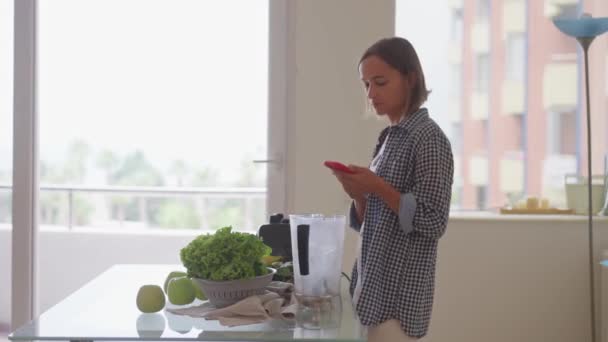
177 213
54 205
135 169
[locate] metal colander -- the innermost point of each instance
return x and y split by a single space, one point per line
225 293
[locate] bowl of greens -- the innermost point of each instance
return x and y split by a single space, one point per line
227 265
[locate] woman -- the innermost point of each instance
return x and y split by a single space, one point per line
401 202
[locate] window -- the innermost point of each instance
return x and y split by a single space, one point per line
481 192
456 25
138 123
482 73
483 10
562 138
516 57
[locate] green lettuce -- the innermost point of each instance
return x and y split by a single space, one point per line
225 255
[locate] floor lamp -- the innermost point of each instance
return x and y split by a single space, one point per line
585 29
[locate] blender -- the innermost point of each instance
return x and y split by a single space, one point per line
316 243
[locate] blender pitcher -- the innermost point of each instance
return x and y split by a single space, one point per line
317 242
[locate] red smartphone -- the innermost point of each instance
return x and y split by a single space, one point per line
334 165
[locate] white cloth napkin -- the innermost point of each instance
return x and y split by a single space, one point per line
277 303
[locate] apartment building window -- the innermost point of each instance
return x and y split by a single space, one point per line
482 73
483 10
481 192
561 133
456 25
515 57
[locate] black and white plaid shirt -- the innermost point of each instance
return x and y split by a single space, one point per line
398 254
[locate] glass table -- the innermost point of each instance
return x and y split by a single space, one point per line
105 310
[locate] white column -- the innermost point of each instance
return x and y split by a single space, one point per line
25 165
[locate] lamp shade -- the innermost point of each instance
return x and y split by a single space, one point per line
583 27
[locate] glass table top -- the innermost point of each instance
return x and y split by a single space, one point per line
105 309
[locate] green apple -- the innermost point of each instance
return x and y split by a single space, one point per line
180 291
150 298
172 275
198 292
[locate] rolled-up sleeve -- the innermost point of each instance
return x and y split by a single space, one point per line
407 209
354 220
432 190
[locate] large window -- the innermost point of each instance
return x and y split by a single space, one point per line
515 112
151 113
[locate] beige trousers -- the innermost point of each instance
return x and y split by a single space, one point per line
388 331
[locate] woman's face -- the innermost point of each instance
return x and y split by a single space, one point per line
387 89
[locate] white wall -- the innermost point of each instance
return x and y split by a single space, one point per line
327 119
497 280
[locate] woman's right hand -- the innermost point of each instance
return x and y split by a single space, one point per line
355 192
349 187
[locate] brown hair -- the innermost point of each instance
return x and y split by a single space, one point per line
400 54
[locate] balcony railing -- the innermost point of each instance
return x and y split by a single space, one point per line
200 195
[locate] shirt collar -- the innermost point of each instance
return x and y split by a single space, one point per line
408 122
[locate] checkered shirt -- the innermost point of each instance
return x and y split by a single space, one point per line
399 267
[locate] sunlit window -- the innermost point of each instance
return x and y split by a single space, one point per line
151 113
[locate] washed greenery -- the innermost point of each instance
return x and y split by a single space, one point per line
225 255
